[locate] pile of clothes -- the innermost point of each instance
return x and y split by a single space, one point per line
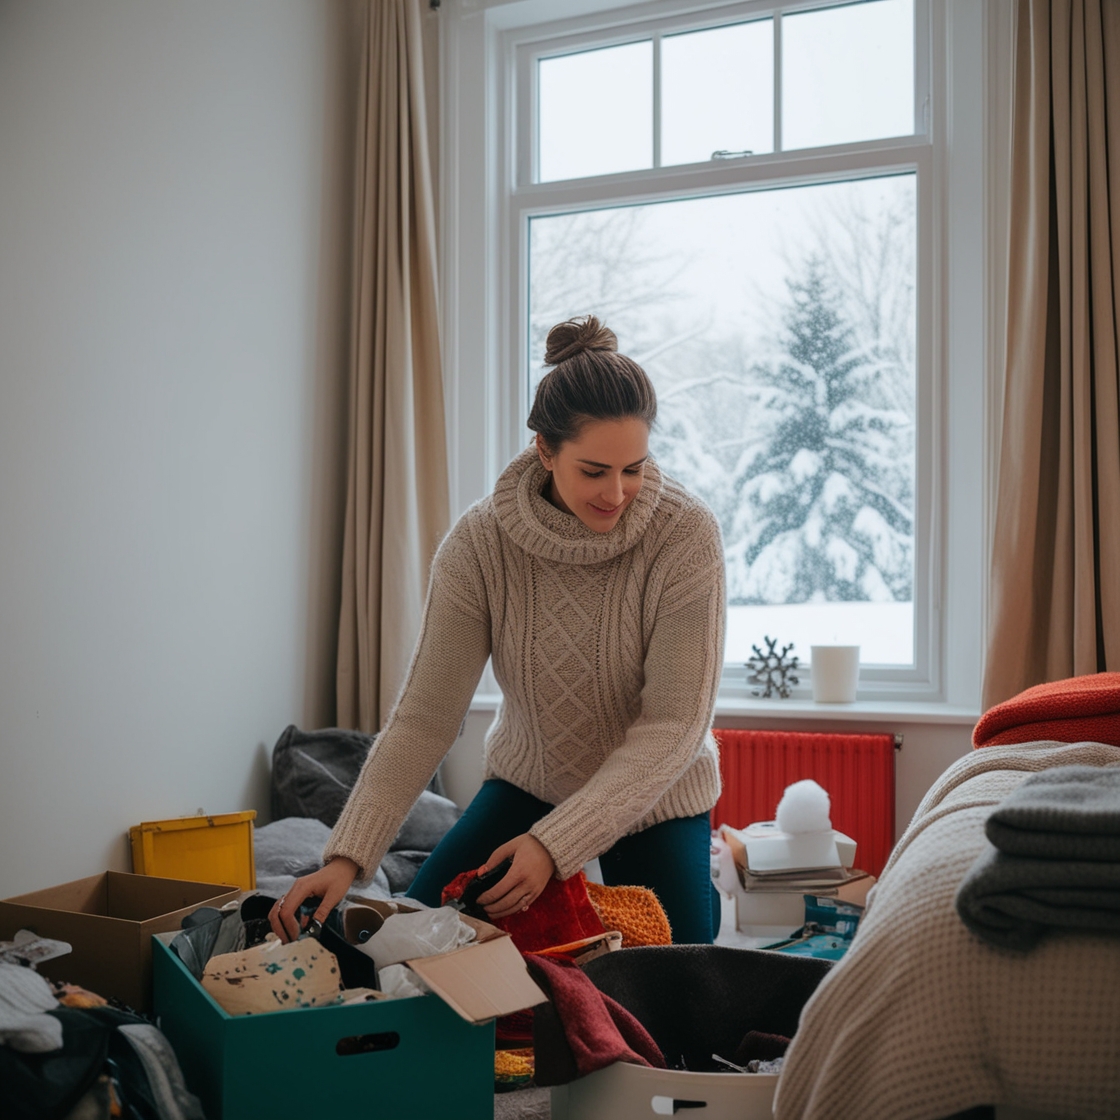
243 966
1053 860
66 1051
702 1008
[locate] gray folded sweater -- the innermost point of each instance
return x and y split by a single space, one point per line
1068 813
1054 859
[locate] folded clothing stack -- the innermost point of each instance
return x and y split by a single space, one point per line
1054 859
1076 710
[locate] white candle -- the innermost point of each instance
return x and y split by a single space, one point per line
835 673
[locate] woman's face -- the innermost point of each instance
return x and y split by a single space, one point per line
599 473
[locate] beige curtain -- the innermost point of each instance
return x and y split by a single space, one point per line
1055 581
397 500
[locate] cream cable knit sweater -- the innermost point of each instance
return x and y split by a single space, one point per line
607 647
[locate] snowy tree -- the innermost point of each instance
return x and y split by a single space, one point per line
825 509
798 430
869 254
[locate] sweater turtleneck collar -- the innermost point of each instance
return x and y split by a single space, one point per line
536 525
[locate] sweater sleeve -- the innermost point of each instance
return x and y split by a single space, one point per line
683 662
448 660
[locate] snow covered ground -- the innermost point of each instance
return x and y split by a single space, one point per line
883 631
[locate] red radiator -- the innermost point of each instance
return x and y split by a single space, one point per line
857 771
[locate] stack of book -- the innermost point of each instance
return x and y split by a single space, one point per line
770 903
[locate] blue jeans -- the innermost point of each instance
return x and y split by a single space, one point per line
671 858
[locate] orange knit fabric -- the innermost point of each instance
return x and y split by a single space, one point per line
634 911
513 1067
1077 710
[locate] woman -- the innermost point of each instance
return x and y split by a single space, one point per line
595 584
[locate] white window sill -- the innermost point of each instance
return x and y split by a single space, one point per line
862 711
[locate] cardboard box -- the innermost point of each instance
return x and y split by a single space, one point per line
629 1092
427 1058
204 849
109 920
481 981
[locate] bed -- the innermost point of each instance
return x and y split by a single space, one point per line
922 1020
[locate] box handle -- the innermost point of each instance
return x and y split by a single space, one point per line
667 1106
367 1043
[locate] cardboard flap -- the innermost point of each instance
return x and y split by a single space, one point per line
82 896
144 898
481 981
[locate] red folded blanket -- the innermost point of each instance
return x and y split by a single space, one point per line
1076 710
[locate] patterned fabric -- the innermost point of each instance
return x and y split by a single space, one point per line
608 649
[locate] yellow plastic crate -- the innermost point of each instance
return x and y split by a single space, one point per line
203 849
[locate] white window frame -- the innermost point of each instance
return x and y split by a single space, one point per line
485 202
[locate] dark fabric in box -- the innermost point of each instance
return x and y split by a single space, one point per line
699 1000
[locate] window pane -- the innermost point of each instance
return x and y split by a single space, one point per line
848 74
595 112
779 329
717 92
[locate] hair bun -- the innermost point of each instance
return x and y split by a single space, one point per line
574 336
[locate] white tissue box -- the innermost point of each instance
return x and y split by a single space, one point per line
769 849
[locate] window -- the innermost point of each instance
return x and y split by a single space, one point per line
752 196
777 320
778 328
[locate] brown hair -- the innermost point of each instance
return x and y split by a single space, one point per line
590 380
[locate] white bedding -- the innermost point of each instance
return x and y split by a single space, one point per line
922 1019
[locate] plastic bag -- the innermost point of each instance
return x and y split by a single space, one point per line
422 933
398 981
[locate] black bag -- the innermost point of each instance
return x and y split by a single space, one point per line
313 772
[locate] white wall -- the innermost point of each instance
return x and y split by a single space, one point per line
174 187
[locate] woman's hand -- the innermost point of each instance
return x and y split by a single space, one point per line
523 882
330 883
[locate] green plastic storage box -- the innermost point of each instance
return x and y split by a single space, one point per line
393 1059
